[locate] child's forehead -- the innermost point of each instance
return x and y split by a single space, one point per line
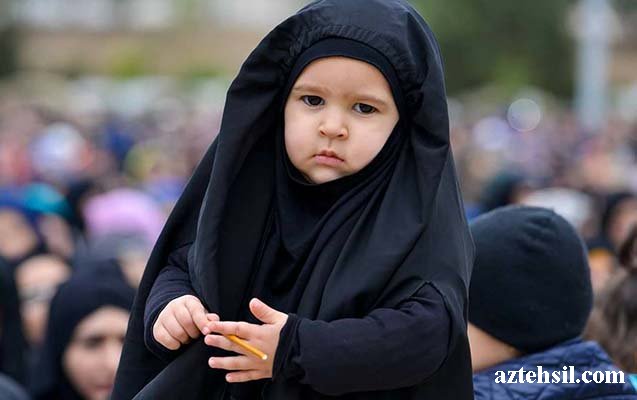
341 74
331 64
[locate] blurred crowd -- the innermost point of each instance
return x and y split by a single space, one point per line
89 175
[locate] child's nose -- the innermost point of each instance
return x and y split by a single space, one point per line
334 128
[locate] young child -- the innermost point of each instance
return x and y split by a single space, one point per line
324 227
530 298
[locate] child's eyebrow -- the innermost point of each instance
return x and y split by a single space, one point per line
305 87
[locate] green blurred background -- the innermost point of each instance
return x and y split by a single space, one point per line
506 44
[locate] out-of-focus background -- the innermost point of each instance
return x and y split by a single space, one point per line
106 107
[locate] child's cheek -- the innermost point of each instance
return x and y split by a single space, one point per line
297 142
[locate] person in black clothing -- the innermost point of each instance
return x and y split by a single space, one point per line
330 196
530 298
85 331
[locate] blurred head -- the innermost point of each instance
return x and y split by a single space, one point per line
613 322
129 253
338 115
53 213
530 273
91 358
123 211
37 279
503 189
619 216
17 236
85 333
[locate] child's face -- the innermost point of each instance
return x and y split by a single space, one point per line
342 107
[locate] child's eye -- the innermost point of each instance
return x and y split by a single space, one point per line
312 101
364 108
92 342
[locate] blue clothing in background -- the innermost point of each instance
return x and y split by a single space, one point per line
583 356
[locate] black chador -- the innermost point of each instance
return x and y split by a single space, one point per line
372 268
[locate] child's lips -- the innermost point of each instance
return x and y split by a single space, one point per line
327 160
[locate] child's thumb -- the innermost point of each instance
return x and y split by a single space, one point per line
263 312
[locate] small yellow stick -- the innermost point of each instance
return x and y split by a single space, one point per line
248 347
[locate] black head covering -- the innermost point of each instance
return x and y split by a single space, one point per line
499 191
531 272
302 206
378 237
74 301
610 203
12 342
74 197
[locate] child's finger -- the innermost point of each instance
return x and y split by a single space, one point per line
210 318
185 319
223 343
238 363
197 314
175 329
164 338
245 376
241 329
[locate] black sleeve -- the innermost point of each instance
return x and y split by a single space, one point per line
388 349
173 281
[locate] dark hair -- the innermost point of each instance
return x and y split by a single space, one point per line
613 322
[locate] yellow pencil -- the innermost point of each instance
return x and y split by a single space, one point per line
248 347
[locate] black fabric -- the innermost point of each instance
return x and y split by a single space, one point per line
13 345
531 272
388 349
75 196
74 300
501 189
382 240
396 335
302 207
173 282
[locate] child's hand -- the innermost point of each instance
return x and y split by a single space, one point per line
264 337
181 321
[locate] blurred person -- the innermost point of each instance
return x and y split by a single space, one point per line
530 297
600 169
59 153
613 322
12 342
53 218
123 211
19 237
122 225
505 188
618 215
331 194
165 191
85 332
574 206
77 194
37 279
126 252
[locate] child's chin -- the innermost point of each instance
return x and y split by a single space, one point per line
320 178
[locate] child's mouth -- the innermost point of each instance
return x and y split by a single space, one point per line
327 160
